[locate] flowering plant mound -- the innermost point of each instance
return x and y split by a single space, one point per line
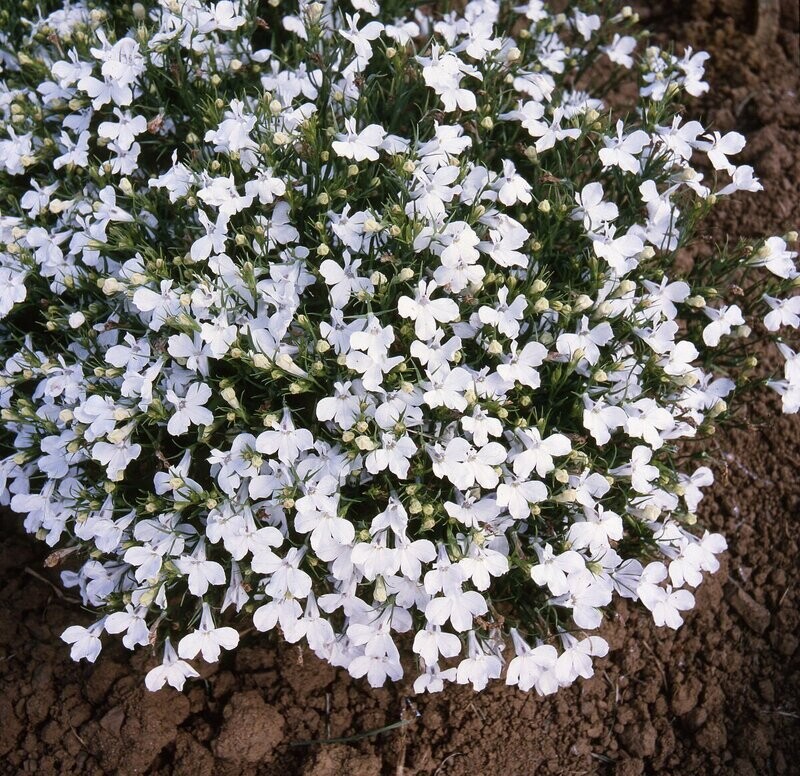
364 324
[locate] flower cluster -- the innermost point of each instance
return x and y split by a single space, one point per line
365 325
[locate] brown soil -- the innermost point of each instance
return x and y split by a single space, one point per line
720 696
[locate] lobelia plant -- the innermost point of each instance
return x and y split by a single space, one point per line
363 322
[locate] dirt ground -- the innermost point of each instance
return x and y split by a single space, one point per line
720 696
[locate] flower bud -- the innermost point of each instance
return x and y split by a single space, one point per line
363 442
379 592
111 286
719 407
495 348
229 396
405 274
652 512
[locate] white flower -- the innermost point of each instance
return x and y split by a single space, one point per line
189 409
201 572
539 453
665 603
207 640
505 317
719 147
359 146
284 439
446 388
696 557
576 659
433 679
600 419
592 209
393 453
464 465
552 569
530 664
586 342
285 579
161 305
132 622
361 39
219 335
512 187
344 281
343 408
774 256
172 671
784 312
517 496
521 364
85 641
479 667
432 642
116 456
460 607
482 562
600 527
481 426
443 72
722 321
621 151
376 667
427 312
125 130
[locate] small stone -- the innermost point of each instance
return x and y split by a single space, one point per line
339 759
639 740
754 615
685 696
630 766
785 643
112 720
766 690
251 731
713 737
